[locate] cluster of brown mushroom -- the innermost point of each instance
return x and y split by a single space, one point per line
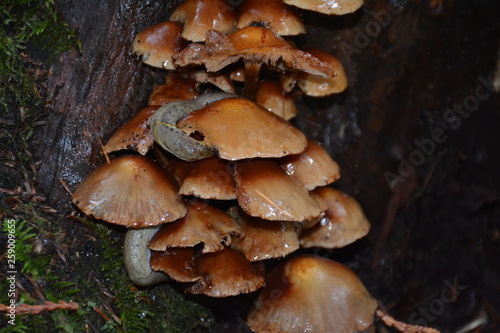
231 182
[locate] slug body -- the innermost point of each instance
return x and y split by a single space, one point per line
137 255
172 139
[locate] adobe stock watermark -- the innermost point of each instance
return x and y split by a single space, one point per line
10 228
429 312
453 118
364 36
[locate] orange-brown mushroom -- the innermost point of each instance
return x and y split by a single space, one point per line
330 7
226 273
264 190
134 134
178 263
202 224
344 222
273 14
271 95
316 85
264 239
157 44
130 191
210 178
312 294
238 128
199 16
177 87
313 167
256 46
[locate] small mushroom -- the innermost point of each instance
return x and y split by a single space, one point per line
238 129
330 7
344 222
210 178
226 273
312 294
178 263
202 224
130 191
177 87
199 16
313 167
271 95
264 239
256 46
157 44
134 134
264 190
273 14
318 86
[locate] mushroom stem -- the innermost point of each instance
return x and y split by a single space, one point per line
252 70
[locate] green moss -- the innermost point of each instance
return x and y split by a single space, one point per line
25 23
86 267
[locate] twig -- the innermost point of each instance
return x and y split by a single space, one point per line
37 309
404 327
269 201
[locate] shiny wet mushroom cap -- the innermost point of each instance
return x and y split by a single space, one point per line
264 239
255 46
271 95
210 178
344 221
176 87
157 44
226 273
273 14
313 167
199 16
134 134
264 190
202 224
330 7
316 85
178 263
238 129
130 191
312 294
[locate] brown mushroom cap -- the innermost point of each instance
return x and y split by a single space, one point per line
277 16
134 134
264 190
271 95
157 44
312 294
344 222
313 167
330 7
176 87
202 224
264 239
226 273
238 128
178 263
316 85
199 16
130 191
210 178
253 44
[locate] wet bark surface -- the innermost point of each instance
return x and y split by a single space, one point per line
432 255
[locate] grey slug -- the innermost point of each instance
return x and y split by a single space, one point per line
137 255
172 139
